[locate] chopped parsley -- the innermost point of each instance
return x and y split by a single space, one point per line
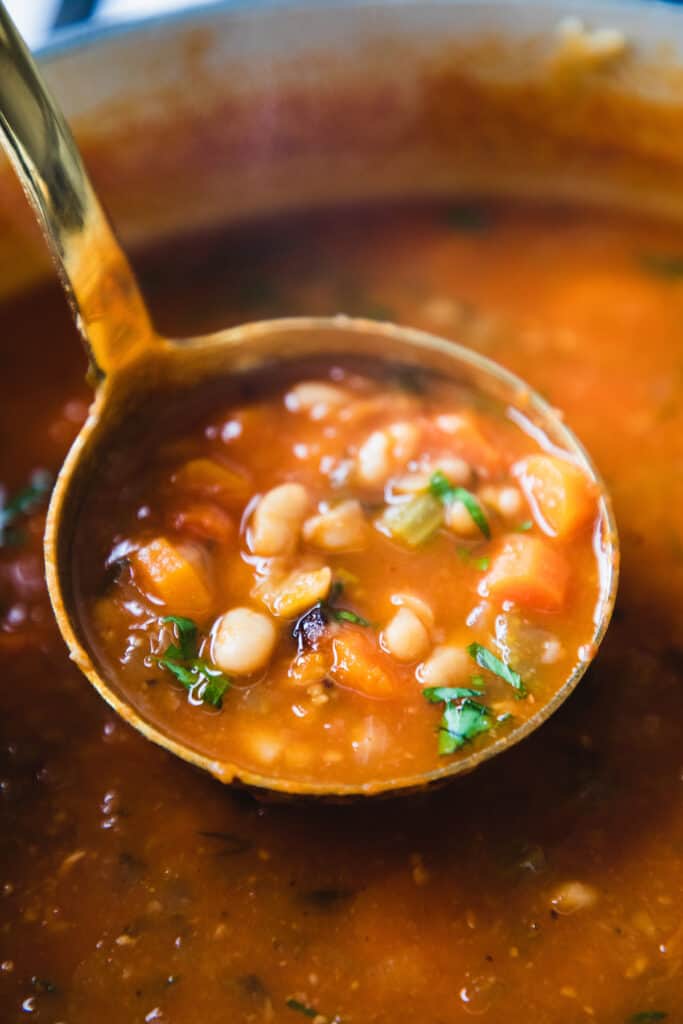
441 487
463 717
23 503
663 265
309 1011
340 614
197 675
524 527
647 1016
486 659
344 615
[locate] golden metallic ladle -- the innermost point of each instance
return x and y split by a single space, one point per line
134 369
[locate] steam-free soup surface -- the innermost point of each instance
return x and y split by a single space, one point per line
548 885
341 572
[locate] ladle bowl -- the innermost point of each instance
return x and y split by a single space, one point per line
134 370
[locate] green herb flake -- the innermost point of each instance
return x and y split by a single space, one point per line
345 615
647 1016
486 659
196 674
441 487
23 503
524 527
461 723
437 694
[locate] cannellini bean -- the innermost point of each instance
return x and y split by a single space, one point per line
277 520
505 499
459 520
299 591
405 637
242 641
456 469
317 398
572 896
385 451
446 666
341 528
417 605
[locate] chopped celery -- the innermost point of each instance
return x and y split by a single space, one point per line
413 522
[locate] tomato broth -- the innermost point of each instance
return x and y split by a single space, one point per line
547 885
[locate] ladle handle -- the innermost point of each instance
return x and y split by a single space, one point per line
107 305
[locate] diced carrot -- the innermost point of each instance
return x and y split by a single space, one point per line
468 441
204 520
164 571
560 494
211 479
356 665
530 572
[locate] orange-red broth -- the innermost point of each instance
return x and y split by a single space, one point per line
310 532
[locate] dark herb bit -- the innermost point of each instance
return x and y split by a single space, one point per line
461 722
43 985
647 1016
194 673
663 265
308 1011
468 217
441 487
24 502
252 985
344 615
524 527
230 842
326 899
486 659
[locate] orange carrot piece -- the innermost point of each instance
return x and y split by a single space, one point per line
356 666
530 572
164 571
560 494
205 521
211 479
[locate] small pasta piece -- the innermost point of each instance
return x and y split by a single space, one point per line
316 398
356 666
405 636
446 666
341 528
277 520
242 641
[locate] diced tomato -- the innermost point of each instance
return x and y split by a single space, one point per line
560 494
530 572
168 573
357 665
204 520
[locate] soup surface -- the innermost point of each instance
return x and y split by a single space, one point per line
341 579
546 886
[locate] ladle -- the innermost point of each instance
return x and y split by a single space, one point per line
130 363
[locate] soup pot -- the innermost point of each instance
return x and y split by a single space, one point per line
240 109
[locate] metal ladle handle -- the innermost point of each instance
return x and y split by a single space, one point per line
106 302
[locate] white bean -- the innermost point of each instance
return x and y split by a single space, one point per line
317 398
276 523
386 451
405 636
446 666
504 498
242 641
342 528
300 590
417 605
459 520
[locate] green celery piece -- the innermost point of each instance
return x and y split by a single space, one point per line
414 522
